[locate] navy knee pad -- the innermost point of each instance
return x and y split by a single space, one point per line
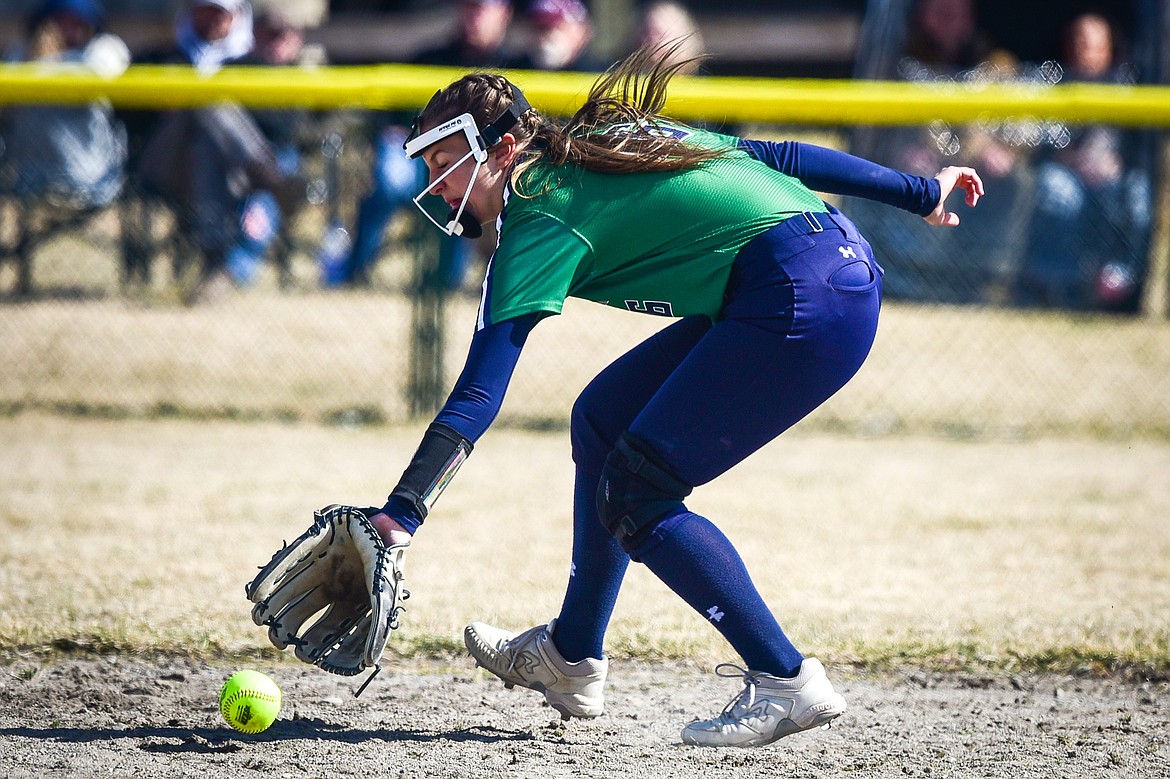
637 490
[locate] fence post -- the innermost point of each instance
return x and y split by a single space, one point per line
426 384
1155 302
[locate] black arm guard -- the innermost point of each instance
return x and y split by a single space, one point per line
439 456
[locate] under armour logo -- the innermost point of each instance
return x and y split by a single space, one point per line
714 614
847 252
572 570
525 664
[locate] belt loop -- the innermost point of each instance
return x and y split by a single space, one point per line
813 224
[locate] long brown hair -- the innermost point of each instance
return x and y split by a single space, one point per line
617 130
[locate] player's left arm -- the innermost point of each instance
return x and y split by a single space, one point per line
949 179
840 173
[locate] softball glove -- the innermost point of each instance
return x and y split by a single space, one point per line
340 571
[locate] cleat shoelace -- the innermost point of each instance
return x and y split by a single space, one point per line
512 646
751 681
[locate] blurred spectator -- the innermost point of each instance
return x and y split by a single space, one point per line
207 161
1087 47
213 33
71 155
943 38
279 28
479 37
670 24
944 43
477 43
669 27
560 35
1091 223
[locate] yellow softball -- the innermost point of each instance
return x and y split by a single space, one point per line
249 701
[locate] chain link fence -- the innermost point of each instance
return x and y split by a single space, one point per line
95 318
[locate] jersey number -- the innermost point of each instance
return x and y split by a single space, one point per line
656 307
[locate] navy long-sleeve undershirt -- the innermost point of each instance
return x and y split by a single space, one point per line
478 394
829 170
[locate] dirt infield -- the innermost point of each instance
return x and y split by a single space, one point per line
989 557
120 717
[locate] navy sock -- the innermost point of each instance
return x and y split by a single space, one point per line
695 560
599 565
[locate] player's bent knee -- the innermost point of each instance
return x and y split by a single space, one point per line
637 491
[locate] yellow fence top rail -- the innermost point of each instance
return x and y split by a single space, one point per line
713 98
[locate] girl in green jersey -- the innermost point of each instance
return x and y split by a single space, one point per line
775 296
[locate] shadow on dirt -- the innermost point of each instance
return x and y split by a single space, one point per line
179 739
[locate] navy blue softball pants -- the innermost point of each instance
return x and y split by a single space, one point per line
799 318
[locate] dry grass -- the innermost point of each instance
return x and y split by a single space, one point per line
139 535
305 354
309 354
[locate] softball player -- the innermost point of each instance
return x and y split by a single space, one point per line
776 296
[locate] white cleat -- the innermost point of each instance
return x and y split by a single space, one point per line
769 708
530 659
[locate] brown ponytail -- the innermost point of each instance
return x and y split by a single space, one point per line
628 96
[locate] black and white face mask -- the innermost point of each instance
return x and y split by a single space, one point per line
431 204
454 221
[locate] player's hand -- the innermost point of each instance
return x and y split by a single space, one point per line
949 179
390 531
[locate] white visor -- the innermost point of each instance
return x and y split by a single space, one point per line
433 206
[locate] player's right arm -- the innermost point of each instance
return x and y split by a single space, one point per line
470 409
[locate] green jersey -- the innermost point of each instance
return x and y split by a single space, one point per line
658 243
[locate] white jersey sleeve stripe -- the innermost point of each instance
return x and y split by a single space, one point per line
485 291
